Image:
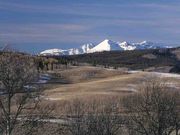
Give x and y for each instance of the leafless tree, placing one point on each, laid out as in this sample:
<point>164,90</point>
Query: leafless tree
<point>18,96</point>
<point>154,110</point>
<point>76,113</point>
<point>94,118</point>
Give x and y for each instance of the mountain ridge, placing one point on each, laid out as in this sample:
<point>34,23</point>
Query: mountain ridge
<point>105,45</point>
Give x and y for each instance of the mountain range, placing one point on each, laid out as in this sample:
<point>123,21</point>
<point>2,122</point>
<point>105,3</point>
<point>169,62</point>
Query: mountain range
<point>106,45</point>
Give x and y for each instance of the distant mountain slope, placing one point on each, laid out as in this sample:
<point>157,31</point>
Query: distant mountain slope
<point>73,51</point>
<point>106,45</point>
<point>133,59</point>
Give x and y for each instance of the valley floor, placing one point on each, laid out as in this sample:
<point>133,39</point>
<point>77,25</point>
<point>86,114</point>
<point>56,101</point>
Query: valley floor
<point>114,83</point>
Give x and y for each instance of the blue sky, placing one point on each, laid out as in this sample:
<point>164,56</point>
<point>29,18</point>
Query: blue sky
<point>35,25</point>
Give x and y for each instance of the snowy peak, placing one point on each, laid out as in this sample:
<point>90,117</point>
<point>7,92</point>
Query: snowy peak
<point>124,43</point>
<point>106,45</point>
<point>148,45</point>
<point>73,51</point>
<point>146,42</point>
<point>86,47</point>
<point>109,45</point>
<point>126,46</point>
<point>54,52</point>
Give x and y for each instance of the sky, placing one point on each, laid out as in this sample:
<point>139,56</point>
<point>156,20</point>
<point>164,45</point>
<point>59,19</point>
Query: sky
<point>36,25</point>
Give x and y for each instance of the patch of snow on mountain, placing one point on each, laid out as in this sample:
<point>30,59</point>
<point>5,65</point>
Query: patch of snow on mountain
<point>106,45</point>
<point>85,48</point>
<point>73,51</point>
<point>147,45</point>
<point>55,52</point>
<point>127,46</point>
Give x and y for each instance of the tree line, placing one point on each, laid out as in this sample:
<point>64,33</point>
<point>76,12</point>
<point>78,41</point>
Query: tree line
<point>130,59</point>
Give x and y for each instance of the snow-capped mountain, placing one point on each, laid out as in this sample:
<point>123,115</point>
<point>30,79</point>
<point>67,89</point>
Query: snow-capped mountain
<point>86,48</point>
<point>54,52</point>
<point>73,51</point>
<point>126,46</point>
<point>106,45</point>
<point>142,45</point>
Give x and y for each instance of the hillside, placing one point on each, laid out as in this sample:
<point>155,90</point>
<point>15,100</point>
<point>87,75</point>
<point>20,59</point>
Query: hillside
<point>95,82</point>
<point>135,59</point>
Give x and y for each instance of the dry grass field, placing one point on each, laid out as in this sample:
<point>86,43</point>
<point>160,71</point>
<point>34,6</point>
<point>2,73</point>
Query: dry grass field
<point>90,82</point>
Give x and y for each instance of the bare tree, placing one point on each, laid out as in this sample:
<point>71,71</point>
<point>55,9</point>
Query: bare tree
<point>17,72</point>
<point>76,114</point>
<point>94,118</point>
<point>153,110</point>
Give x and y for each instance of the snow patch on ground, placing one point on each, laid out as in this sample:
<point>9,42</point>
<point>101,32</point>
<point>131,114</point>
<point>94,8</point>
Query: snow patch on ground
<point>158,74</point>
<point>44,78</point>
<point>167,75</point>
